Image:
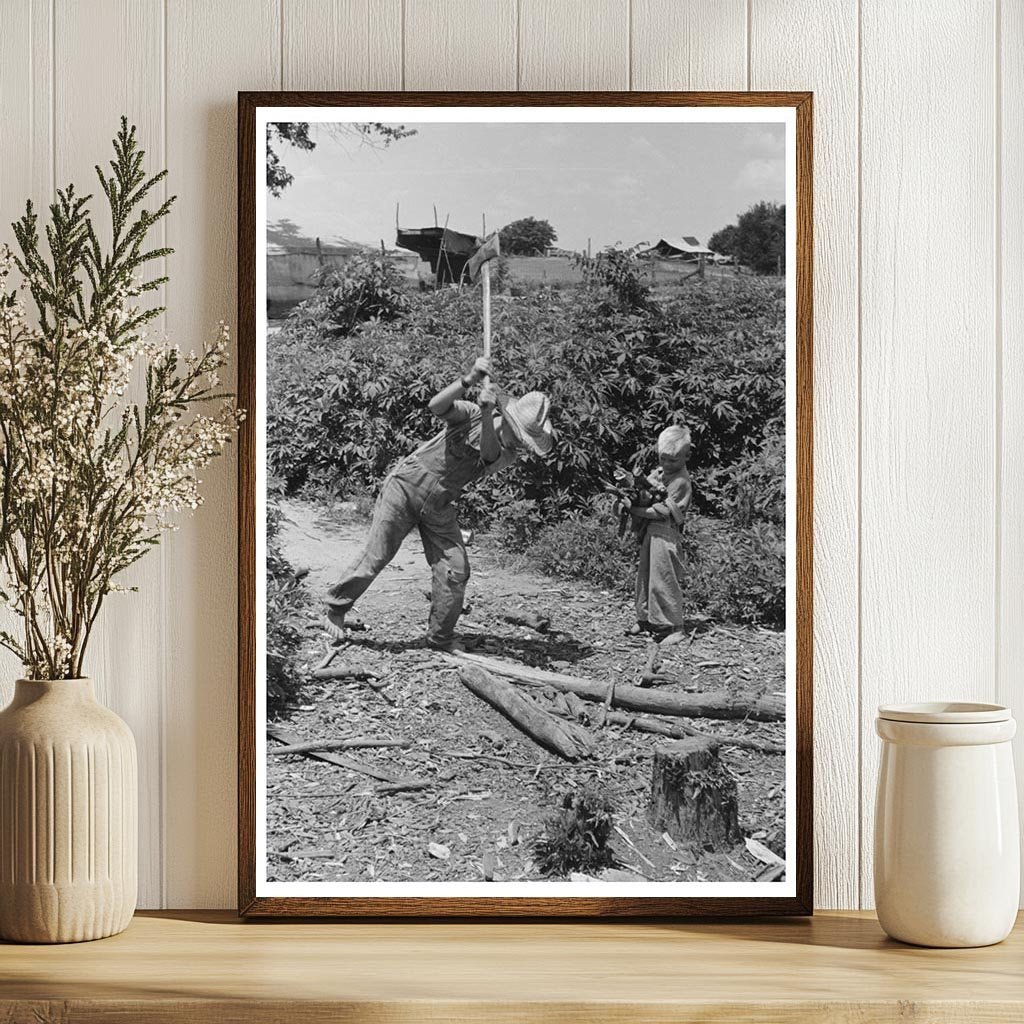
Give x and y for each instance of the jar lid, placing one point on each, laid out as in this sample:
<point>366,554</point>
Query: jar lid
<point>945,713</point>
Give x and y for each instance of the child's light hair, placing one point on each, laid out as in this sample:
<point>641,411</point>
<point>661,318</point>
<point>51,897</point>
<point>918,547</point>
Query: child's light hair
<point>674,442</point>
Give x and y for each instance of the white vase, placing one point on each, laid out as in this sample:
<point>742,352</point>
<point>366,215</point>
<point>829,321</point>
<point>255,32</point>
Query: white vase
<point>68,815</point>
<point>947,845</point>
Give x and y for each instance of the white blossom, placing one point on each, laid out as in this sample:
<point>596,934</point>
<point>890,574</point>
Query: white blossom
<point>91,466</point>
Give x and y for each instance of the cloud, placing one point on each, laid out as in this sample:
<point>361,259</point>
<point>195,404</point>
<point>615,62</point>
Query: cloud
<point>762,173</point>
<point>764,139</point>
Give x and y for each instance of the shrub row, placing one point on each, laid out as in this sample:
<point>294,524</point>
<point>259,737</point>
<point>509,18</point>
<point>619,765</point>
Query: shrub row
<point>344,408</point>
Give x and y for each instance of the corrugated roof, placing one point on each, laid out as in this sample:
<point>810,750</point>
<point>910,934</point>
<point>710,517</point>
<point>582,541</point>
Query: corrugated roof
<point>684,243</point>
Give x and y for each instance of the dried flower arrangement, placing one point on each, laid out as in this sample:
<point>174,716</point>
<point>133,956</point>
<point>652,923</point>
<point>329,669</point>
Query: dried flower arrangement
<point>90,470</point>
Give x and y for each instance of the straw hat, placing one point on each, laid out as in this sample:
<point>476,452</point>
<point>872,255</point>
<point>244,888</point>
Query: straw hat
<point>530,420</point>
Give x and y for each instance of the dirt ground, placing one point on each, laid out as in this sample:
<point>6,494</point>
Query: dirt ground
<point>489,786</point>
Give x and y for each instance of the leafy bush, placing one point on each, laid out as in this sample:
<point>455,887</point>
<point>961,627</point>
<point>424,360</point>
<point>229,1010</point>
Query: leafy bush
<point>753,488</point>
<point>575,838</point>
<point>617,270</point>
<point>735,573</point>
<point>365,288</point>
<point>515,529</point>
<point>587,547</point>
<point>286,612</point>
<point>343,409</point>
<point>732,573</point>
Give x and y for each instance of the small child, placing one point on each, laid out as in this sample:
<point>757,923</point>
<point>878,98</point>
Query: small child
<point>659,593</point>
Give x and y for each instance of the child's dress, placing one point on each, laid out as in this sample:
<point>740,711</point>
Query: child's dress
<point>659,592</point>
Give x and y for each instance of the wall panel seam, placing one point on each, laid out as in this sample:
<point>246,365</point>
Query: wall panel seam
<point>997,237</point>
<point>162,696</point>
<point>519,26</point>
<point>749,44</point>
<point>859,867</point>
<point>629,45</point>
<point>53,98</point>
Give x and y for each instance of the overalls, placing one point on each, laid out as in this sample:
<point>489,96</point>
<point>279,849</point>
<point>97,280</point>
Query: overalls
<point>421,491</point>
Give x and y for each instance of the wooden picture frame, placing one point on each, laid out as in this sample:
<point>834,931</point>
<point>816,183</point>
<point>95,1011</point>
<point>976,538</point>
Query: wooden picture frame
<point>798,899</point>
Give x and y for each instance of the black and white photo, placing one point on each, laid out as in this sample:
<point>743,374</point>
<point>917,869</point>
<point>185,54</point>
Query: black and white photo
<point>525,509</point>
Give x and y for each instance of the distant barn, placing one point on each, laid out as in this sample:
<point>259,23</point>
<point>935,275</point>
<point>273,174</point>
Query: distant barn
<point>685,248</point>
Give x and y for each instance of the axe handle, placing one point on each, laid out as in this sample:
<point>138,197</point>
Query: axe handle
<point>487,308</point>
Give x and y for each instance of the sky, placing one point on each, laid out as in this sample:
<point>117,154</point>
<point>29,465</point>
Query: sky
<point>614,183</point>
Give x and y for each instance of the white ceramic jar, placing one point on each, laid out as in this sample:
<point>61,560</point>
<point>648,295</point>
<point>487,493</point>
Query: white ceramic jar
<point>947,845</point>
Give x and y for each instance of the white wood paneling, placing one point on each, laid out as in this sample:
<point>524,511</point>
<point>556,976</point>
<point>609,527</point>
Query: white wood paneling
<point>342,44</point>
<point>688,44</point>
<point>919,416</point>
<point>468,45</point>
<point>830,70</point>
<point>26,107</point>
<point>214,50</point>
<point>1010,314</point>
<point>573,44</point>
<point>26,103</point>
<point>928,410</point>
<point>126,653</point>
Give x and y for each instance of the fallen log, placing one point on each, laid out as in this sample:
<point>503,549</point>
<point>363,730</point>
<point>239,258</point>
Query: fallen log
<point>357,743</point>
<point>409,786</point>
<point>679,731</point>
<point>768,708</point>
<point>344,671</point>
<point>541,727</point>
<point>291,738</point>
<point>327,659</point>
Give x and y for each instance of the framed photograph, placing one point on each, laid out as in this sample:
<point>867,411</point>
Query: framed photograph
<point>525,494</point>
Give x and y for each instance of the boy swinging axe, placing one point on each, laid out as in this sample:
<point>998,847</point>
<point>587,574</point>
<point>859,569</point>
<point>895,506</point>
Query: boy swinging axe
<point>477,439</point>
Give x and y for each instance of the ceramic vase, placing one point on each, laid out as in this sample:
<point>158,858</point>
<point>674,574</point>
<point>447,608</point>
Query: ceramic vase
<point>947,845</point>
<point>68,815</point>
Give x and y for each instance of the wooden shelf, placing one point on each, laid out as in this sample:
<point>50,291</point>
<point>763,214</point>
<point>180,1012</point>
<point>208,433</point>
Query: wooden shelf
<point>204,967</point>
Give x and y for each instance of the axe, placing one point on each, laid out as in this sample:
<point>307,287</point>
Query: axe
<point>489,250</point>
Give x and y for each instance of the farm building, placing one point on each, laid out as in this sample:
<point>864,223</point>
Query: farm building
<point>446,251</point>
<point>685,248</point>
<point>292,265</point>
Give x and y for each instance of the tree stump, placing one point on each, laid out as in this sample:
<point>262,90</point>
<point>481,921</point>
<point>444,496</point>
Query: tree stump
<point>693,796</point>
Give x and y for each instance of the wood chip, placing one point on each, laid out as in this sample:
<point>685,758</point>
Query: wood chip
<point>762,853</point>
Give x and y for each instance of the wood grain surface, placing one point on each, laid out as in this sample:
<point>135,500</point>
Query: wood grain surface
<point>469,45</point>
<point>699,44</point>
<point>209,967</point>
<point>1009,265</point>
<point>228,45</point>
<point>574,44</point>
<point>357,42</point>
<point>928,368</point>
<point>830,69</point>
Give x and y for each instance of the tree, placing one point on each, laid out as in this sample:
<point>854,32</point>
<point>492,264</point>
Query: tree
<point>526,237</point>
<point>296,133</point>
<point>757,239</point>
<point>724,242</point>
